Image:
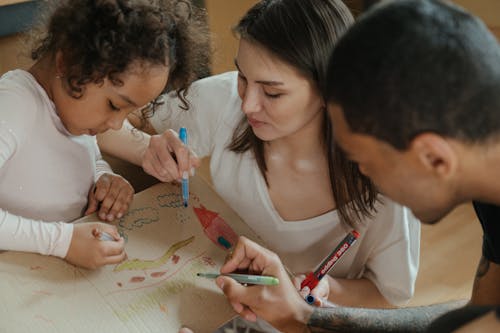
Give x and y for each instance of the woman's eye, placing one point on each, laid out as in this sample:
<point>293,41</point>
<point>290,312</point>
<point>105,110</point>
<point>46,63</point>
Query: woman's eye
<point>273,95</point>
<point>113,107</point>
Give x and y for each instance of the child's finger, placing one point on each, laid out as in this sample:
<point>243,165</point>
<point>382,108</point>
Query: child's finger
<point>93,203</point>
<point>107,203</point>
<point>114,248</point>
<point>102,187</point>
<point>122,203</point>
<point>109,260</point>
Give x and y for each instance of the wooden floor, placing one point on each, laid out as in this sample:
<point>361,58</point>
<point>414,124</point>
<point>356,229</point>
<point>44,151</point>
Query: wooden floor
<point>450,252</point>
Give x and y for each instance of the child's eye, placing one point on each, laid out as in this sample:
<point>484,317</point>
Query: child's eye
<point>113,107</point>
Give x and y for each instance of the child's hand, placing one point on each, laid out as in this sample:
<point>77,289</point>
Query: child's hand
<point>88,251</point>
<point>111,196</point>
<point>320,293</point>
<point>159,161</point>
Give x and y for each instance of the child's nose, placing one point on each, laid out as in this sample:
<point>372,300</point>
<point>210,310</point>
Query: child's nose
<point>115,122</point>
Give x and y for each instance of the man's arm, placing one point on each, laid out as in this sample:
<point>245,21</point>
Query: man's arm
<point>357,320</point>
<point>485,290</point>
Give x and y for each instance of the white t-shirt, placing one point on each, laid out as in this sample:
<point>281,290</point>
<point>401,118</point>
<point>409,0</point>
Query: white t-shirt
<point>387,251</point>
<point>45,172</point>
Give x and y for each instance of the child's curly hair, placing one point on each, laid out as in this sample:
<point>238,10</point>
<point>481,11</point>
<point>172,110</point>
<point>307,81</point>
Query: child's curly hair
<point>101,38</point>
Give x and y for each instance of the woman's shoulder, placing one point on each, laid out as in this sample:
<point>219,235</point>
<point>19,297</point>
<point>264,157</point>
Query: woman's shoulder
<point>216,88</point>
<point>389,214</point>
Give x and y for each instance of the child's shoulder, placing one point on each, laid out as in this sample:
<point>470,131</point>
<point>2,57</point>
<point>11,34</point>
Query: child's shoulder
<point>20,99</point>
<point>21,84</point>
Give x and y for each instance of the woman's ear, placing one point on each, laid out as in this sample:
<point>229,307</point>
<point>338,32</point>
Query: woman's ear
<point>435,154</point>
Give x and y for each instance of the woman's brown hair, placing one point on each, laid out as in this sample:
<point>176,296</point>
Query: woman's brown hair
<point>303,33</point>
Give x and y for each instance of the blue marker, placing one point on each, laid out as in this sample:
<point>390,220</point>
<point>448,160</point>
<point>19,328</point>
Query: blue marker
<point>185,177</point>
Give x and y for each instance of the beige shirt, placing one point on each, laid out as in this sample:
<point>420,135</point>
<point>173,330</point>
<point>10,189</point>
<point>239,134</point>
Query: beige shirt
<point>45,172</point>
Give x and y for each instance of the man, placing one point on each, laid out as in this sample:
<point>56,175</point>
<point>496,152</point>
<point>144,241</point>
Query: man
<point>414,97</point>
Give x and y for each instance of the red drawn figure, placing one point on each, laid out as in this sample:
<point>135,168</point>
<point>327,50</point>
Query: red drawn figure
<point>216,228</point>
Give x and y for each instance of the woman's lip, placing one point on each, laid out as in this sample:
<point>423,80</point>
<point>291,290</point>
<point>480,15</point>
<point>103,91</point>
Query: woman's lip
<point>255,123</point>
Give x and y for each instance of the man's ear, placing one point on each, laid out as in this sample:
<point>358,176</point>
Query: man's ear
<point>435,153</point>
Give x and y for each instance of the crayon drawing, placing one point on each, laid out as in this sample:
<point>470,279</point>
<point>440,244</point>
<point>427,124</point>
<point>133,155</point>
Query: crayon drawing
<point>155,290</point>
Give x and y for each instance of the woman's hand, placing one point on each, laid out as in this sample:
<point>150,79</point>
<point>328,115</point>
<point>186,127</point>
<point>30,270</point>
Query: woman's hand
<point>111,197</point>
<point>88,251</point>
<point>320,292</point>
<point>167,158</point>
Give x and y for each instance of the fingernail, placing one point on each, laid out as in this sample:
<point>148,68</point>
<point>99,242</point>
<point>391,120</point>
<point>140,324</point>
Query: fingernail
<point>111,217</point>
<point>102,216</point>
<point>220,283</point>
<point>185,175</point>
<point>193,172</point>
<point>119,215</point>
<point>163,172</point>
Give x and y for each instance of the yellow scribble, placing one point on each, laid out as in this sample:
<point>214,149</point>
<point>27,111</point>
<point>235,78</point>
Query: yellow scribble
<point>138,264</point>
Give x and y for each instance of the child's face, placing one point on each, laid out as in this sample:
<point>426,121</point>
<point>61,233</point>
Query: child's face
<point>277,100</point>
<point>106,106</point>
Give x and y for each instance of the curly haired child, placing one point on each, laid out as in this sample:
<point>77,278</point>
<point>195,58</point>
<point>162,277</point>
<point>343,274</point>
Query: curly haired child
<point>95,62</point>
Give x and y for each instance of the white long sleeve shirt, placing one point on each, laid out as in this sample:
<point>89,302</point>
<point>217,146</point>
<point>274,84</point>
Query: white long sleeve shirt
<point>387,252</point>
<point>45,172</point>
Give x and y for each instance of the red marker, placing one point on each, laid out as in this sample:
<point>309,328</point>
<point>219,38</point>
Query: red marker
<point>313,278</point>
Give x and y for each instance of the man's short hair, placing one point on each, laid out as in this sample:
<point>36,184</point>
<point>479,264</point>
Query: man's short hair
<point>413,66</point>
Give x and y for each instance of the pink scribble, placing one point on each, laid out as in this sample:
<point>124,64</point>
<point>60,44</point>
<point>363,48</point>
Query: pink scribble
<point>208,261</point>
<point>136,279</point>
<point>175,258</point>
<point>158,274</point>
<point>36,268</point>
<point>162,280</point>
<point>163,308</point>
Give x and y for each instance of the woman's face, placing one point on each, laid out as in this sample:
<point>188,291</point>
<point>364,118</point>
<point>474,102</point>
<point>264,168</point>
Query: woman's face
<point>105,106</point>
<point>277,100</point>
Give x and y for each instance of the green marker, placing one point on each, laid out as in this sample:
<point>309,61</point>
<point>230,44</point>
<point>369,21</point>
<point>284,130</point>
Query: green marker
<point>245,278</point>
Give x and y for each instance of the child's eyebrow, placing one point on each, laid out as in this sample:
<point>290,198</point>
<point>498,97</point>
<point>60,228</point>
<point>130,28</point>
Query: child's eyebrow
<point>128,100</point>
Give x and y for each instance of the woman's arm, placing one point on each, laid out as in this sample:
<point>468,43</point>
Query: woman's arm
<point>128,144</point>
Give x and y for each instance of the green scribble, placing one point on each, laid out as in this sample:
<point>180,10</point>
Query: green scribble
<point>151,300</point>
<point>138,264</point>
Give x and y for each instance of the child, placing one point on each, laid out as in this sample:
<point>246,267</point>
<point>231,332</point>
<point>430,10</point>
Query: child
<point>97,62</point>
<point>274,161</point>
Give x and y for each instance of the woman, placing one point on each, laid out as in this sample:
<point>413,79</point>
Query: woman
<point>273,159</point>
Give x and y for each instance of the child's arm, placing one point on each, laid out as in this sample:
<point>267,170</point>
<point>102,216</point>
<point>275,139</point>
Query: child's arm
<point>22,234</point>
<point>127,143</point>
<point>74,242</point>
